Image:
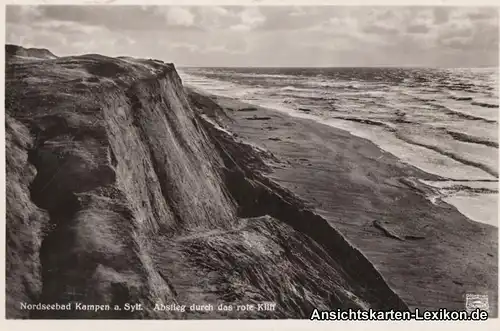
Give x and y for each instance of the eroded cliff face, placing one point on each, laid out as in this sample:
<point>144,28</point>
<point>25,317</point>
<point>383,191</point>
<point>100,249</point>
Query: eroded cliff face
<point>121,190</point>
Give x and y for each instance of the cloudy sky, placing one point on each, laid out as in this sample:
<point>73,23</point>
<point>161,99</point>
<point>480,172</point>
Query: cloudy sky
<point>265,36</point>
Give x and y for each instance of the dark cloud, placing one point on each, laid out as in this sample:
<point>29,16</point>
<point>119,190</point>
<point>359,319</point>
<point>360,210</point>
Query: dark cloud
<point>454,31</point>
<point>386,14</point>
<point>380,29</point>
<point>483,14</point>
<point>417,28</point>
<point>441,15</point>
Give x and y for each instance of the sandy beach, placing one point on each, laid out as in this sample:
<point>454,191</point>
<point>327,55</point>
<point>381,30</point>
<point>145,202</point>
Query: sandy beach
<point>428,252</point>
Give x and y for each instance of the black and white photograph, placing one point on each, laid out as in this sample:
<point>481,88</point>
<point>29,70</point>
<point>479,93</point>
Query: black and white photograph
<point>251,162</point>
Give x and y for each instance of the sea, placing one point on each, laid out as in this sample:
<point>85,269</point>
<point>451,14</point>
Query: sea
<point>443,121</point>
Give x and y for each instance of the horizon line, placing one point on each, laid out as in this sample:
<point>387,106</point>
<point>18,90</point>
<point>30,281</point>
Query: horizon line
<point>349,66</point>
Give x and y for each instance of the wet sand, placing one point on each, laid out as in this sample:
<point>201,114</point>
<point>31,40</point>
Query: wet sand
<point>429,253</point>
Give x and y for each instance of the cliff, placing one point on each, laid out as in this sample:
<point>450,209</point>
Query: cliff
<point>121,189</point>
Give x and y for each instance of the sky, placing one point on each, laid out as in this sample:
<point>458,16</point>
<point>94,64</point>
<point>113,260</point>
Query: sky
<point>280,36</point>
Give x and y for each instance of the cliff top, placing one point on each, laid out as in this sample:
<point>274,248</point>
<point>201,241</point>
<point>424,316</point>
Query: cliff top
<point>36,53</point>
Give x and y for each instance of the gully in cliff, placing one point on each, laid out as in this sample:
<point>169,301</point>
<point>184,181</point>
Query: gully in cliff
<point>137,189</point>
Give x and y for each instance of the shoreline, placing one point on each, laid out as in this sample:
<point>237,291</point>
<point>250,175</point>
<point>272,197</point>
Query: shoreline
<point>367,193</point>
<point>465,204</point>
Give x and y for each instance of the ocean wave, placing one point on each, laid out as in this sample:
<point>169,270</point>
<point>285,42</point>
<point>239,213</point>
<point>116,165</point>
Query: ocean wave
<point>347,85</point>
<point>235,74</point>
<point>459,188</point>
<point>419,98</point>
<point>461,98</point>
<point>453,155</point>
<point>490,185</point>
<point>298,97</point>
<point>471,139</point>
<point>460,114</point>
<point>292,88</point>
<point>386,125</point>
<point>485,104</point>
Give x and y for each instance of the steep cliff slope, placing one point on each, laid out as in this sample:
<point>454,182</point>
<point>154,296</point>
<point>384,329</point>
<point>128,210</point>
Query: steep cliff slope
<point>119,190</point>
